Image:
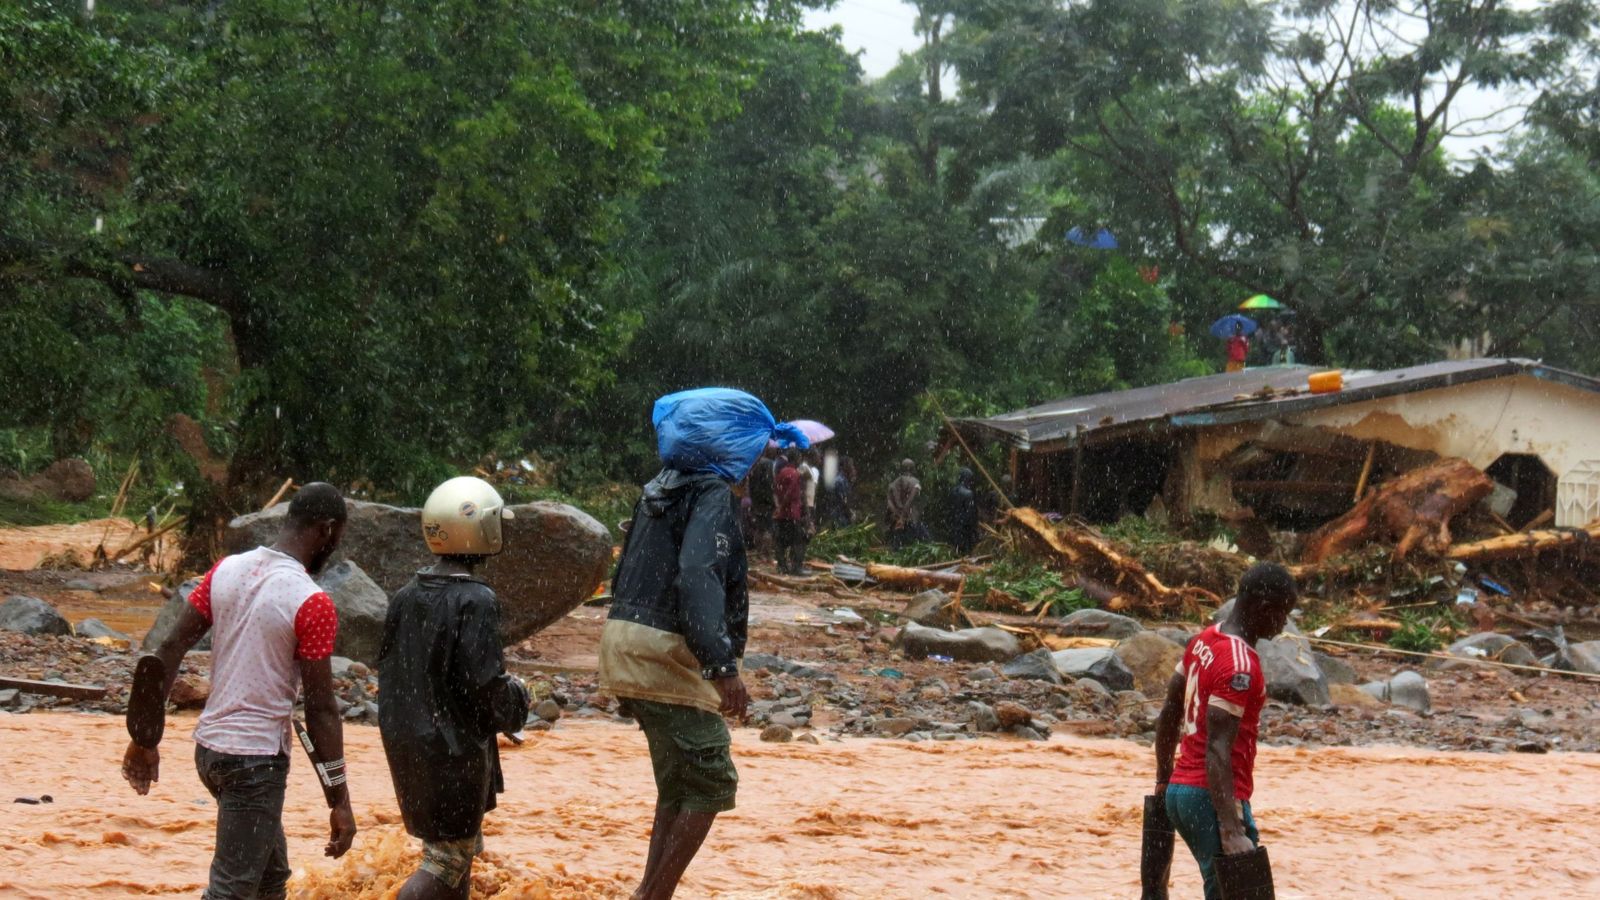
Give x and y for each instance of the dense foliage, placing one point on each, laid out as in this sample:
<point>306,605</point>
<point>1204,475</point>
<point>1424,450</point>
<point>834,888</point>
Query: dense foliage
<point>373,242</point>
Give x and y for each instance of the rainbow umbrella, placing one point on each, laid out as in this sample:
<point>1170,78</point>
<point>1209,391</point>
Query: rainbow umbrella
<point>1261,301</point>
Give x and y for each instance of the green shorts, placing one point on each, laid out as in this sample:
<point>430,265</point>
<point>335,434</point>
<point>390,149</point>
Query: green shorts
<point>691,752</point>
<point>450,861</point>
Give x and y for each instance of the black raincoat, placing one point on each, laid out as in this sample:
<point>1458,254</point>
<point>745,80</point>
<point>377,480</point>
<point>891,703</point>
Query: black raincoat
<point>683,567</point>
<point>443,695</point>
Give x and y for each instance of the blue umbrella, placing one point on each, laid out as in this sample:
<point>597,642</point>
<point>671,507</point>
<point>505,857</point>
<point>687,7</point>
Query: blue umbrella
<point>1226,326</point>
<point>1100,240</point>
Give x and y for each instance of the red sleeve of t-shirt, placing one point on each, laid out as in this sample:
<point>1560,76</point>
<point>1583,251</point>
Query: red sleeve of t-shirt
<point>316,626</point>
<point>200,597</point>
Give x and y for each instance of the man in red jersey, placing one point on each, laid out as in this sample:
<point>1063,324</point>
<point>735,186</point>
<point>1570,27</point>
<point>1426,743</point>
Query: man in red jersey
<point>1211,717</point>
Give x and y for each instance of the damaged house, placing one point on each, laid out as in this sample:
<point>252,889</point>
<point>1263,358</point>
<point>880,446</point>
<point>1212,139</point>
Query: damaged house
<point>1260,444</point>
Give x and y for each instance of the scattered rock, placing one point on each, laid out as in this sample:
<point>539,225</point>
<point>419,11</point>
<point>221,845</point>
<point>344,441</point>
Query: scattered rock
<point>1027,733</point>
<point>1491,645</point>
<point>1350,695</point>
<point>94,628</point>
<point>1532,747</point>
<point>555,556</point>
<point>1410,690</point>
<point>895,725</point>
<point>1097,663</point>
<point>1010,715</point>
<point>1099,623</point>
<point>982,717</point>
<point>1290,667</point>
<point>362,607</point>
<point>968,645</point>
<point>1178,636</point>
<point>538,725</point>
<point>8,698</point>
<point>340,665</point>
<point>1375,690</point>
<point>932,608</point>
<point>30,615</point>
<point>1584,657</point>
<point>777,734</point>
<point>548,710</point>
<point>982,674</point>
<point>1336,670</point>
<point>1091,687</point>
<point>82,584</point>
<point>67,480</point>
<point>1037,666</point>
<point>190,691</point>
<point>807,738</point>
<point>1152,660</point>
<point>767,661</point>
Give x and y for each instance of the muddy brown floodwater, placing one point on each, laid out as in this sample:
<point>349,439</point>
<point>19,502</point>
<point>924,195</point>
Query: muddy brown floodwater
<point>861,818</point>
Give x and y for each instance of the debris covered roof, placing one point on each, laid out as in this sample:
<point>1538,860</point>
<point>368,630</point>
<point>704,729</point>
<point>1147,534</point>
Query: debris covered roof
<point>1235,397</point>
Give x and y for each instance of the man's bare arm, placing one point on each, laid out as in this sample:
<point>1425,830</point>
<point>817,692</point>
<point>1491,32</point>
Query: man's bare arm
<point>326,730</point>
<point>1168,725</point>
<point>141,765</point>
<point>1222,728</point>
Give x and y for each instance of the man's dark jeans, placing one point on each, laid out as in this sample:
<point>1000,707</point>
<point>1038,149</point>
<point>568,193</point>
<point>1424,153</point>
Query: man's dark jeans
<point>251,861</point>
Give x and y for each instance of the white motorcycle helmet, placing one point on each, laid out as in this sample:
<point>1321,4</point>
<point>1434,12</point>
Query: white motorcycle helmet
<point>462,518</point>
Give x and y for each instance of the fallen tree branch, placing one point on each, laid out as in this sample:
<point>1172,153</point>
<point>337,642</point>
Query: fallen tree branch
<point>1097,562</point>
<point>1383,648</point>
<point>1413,510</point>
<point>1526,543</point>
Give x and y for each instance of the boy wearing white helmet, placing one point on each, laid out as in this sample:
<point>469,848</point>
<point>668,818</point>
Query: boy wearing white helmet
<point>444,692</point>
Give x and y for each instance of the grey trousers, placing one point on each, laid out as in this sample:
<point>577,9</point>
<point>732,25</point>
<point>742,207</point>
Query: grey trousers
<point>251,861</point>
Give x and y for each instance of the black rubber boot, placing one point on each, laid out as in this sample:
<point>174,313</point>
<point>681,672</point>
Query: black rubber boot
<point>1155,856</point>
<point>1245,876</point>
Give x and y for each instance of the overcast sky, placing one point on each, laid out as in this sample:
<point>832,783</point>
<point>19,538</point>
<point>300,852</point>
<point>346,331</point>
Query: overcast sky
<point>882,29</point>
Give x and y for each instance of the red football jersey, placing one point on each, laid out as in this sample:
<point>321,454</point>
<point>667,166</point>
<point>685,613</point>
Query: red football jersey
<point>1223,671</point>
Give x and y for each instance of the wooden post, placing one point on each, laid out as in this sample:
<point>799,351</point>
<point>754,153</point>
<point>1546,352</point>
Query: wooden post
<point>1366,471</point>
<point>1076,502</point>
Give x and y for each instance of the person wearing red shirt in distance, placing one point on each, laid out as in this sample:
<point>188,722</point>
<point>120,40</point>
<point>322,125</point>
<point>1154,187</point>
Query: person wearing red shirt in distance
<point>1206,734</point>
<point>789,518</point>
<point>272,631</point>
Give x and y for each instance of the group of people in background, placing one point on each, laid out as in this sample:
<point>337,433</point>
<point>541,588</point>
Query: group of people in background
<point>785,503</point>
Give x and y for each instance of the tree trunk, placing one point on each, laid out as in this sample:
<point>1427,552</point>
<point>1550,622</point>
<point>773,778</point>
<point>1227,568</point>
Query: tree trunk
<point>1413,510</point>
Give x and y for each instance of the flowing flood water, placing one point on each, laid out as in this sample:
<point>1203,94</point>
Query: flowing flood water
<point>862,818</point>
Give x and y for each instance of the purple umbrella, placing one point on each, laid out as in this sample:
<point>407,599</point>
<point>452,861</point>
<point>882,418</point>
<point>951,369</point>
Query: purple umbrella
<point>812,429</point>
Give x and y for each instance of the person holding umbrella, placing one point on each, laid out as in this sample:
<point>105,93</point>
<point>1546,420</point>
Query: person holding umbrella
<point>1236,330</point>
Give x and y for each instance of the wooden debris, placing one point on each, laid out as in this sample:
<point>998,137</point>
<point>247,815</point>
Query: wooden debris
<point>54,688</point>
<point>278,495</point>
<point>1095,560</point>
<point>1526,543</point>
<point>1413,510</point>
<point>1539,521</point>
<point>905,579</point>
<point>152,536</point>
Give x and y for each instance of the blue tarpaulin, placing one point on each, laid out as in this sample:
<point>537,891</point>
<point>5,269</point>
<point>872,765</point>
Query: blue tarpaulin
<point>718,430</point>
<point>1102,239</point>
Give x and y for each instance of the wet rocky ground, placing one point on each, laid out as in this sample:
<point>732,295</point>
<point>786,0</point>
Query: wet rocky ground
<point>815,678</point>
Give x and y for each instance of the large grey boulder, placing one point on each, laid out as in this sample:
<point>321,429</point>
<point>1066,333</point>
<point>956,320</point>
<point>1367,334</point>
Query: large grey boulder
<point>1290,667</point>
<point>555,555</point>
<point>1152,659</point>
<point>167,619</point>
<point>968,645</point>
<point>1037,666</point>
<point>362,606</point>
<point>1096,664</point>
<point>30,615</point>
<point>1335,669</point>
<point>1491,645</point>
<point>1099,623</point>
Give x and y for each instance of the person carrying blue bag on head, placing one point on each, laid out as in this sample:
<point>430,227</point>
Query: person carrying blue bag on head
<point>671,646</point>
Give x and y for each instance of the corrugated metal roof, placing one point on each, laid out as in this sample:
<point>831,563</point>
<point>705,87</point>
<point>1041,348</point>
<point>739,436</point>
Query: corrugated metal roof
<point>1236,397</point>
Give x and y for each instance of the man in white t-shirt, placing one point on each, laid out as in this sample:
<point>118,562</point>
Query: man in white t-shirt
<point>272,629</point>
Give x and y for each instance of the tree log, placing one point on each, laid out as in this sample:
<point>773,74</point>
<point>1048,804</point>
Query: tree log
<point>1413,510</point>
<point>1096,561</point>
<point>915,579</point>
<point>1527,543</point>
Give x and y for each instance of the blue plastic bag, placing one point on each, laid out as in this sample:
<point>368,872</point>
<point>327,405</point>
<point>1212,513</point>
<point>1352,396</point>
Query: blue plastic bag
<point>718,430</point>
